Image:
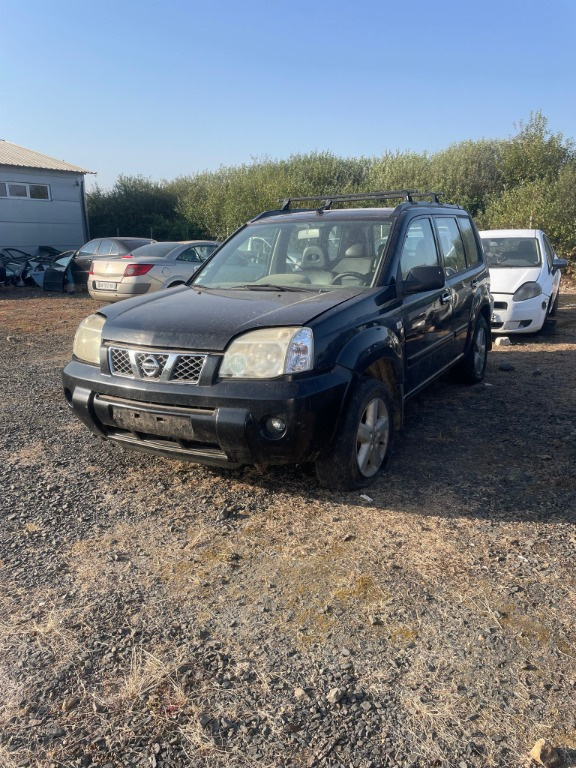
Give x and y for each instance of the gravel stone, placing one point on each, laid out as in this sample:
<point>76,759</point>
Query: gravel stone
<point>158,613</point>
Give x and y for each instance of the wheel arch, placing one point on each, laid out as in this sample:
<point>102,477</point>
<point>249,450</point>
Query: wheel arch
<point>378,353</point>
<point>482,310</point>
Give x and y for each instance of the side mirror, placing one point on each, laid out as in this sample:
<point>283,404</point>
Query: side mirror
<point>559,263</point>
<point>421,279</point>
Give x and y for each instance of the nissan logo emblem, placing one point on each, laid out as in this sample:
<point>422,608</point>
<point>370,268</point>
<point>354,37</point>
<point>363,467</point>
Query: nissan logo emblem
<point>150,366</point>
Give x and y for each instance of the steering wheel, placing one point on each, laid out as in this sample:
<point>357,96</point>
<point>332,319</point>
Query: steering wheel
<point>338,279</point>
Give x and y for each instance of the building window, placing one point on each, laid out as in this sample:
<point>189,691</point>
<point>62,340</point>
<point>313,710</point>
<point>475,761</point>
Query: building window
<point>17,190</point>
<point>39,191</point>
<point>21,190</point>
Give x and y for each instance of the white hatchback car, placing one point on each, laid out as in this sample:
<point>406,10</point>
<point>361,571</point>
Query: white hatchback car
<point>147,269</point>
<point>524,278</point>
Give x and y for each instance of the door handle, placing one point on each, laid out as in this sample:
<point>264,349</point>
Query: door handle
<point>446,298</point>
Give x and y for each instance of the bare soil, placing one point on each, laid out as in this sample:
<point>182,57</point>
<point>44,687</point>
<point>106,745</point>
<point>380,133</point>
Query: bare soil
<point>153,613</point>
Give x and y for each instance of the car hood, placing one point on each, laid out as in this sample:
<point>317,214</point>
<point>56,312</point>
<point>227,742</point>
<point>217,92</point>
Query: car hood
<point>190,318</point>
<point>509,279</point>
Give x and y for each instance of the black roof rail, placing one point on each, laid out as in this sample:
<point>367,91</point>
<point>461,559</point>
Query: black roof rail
<point>407,194</point>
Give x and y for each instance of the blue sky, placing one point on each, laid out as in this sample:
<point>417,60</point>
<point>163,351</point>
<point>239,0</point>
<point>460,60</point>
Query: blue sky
<point>166,89</point>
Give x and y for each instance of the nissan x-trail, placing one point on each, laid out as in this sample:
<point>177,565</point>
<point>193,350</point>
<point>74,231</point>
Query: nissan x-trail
<point>298,341</point>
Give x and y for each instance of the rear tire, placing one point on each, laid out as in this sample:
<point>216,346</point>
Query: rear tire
<point>362,448</point>
<point>472,367</point>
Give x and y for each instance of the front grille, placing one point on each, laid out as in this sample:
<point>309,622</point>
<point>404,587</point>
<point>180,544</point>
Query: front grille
<point>120,362</point>
<point>500,305</point>
<point>188,367</point>
<point>177,367</point>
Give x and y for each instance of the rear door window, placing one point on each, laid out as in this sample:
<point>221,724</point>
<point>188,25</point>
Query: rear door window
<point>451,245</point>
<point>473,252</point>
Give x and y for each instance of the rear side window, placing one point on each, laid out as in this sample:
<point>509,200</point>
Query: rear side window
<point>473,252</point>
<point>204,251</point>
<point>189,254</point>
<point>105,248</point>
<point>451,245</point>
<point>90,247</point>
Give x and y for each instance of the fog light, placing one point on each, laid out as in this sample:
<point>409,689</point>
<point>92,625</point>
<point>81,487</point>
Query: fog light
<point>276,426</point>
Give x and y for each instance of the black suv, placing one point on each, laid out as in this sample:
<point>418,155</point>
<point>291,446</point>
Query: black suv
<point>299,340</point>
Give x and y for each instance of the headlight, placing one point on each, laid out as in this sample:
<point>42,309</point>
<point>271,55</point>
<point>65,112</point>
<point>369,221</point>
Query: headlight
<point>268,353</point>
<point>527,291</point>
<point>87,339</point>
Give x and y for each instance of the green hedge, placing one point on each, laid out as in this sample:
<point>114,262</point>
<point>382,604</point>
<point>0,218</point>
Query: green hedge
<point>527,180</point>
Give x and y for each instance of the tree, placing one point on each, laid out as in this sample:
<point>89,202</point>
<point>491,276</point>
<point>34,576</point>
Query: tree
<point>137,207</point>
<point>468,173</point>
<point>534,153</point>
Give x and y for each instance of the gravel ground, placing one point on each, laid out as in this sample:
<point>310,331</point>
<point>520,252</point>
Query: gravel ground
<point>154,613</point>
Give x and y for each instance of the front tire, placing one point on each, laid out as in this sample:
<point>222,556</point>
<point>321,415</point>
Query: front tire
<point>472,368</point>
<point>554,306</point>
<point>362,448</point>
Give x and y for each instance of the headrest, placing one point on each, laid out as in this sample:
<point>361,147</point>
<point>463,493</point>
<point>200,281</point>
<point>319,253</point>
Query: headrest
<point>313,258</point>
<point>354,251</point>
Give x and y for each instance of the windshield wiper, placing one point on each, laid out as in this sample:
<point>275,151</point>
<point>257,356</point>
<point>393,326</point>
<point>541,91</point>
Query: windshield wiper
<point>267,287</point>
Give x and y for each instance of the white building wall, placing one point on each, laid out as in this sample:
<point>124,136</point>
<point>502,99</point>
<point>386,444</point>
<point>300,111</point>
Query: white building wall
<point>58,222</point>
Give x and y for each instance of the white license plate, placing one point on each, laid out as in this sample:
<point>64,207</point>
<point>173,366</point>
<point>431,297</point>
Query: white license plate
<point>104,286</point>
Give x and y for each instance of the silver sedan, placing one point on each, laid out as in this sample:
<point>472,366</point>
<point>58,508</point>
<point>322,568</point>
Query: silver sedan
<point>149,268</point>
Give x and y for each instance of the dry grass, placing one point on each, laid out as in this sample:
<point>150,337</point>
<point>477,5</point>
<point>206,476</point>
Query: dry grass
<point>456,599</point>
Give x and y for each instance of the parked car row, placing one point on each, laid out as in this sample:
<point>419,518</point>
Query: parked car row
<point>302,337</point>
<point>110,268</point>
<point>148,268</point>
<point>525,273</point>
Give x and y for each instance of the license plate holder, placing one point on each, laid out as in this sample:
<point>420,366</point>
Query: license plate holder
<point>154,423</point>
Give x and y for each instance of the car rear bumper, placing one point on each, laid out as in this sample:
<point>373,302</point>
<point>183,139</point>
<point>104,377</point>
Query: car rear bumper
<point>228,426</point>
<point>122,291</point>
<point>518,316</point>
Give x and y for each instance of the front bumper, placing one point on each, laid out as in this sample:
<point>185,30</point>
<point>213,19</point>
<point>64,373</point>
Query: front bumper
<point>518,316</point>
<point>225,424</point>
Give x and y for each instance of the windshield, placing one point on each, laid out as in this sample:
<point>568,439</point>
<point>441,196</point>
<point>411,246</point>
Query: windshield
<point>322,255</point>
<point>512,252</point>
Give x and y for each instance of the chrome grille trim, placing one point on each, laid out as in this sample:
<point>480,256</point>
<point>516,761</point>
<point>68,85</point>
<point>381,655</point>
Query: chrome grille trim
<point>156,365</point>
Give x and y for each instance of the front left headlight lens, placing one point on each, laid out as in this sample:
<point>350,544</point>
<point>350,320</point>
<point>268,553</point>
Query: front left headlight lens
<point>87,339</point>
<point>527,291</point>
<point>268,353</point>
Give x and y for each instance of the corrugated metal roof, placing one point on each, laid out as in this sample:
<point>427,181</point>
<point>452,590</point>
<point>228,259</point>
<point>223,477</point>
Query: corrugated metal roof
<point>12,154</point>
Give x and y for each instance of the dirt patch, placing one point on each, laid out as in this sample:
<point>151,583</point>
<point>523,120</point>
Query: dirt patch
<point>155,613</point>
